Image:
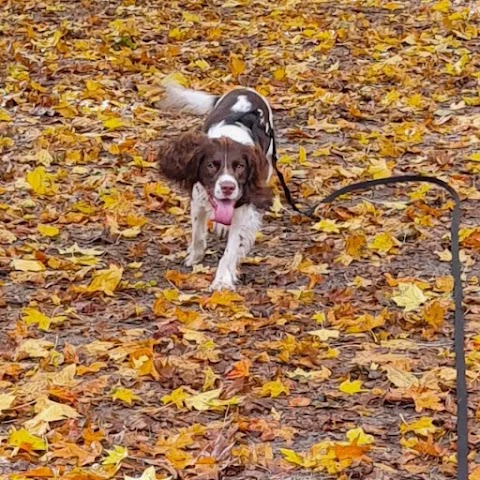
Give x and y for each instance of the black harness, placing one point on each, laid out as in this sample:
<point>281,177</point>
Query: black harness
<point>265,137</point>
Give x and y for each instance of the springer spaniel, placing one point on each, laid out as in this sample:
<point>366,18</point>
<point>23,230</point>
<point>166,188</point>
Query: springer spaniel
<point>226,169</point>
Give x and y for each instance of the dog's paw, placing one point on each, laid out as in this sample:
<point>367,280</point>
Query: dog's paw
<point>224,281</point>
<point>194,257</point>
<point>221,285</point>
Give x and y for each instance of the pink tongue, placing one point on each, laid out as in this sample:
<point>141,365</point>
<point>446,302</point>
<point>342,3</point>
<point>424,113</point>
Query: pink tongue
<point>223,212</point>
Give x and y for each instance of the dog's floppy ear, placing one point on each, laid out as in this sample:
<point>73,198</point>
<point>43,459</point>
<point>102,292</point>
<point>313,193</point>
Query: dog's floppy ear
<point>256,190</point>
<point>180,159</point>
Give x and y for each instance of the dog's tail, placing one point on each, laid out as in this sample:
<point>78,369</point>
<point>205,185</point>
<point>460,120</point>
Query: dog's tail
<point>193,101</point>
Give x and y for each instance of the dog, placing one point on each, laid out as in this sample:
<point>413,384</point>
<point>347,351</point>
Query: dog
<point>226,169</point>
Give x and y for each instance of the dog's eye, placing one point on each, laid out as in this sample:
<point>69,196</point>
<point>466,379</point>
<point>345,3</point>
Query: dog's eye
<point>239,167</point>
<point>212,166</point>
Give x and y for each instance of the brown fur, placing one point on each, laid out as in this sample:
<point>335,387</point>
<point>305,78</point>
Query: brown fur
<point>187,158</point>
<point>180,159</point>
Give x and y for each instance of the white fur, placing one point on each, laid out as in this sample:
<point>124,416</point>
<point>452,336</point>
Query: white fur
<point>242,104</point>
<point>200,210</point>
<point>247,220</point>
<point>177,96</point>
<point>222,179</point>
<point>234,132</point>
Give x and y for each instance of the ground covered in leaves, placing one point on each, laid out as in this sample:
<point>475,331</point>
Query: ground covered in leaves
<point>334,357</point>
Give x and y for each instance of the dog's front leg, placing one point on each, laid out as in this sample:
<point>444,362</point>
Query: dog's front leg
<point>241,237</point>
<point>199,214</point>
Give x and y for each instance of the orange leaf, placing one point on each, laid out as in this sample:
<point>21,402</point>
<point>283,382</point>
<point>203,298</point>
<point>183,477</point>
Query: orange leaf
<point>237,65</point>
<point>41,472</point>
<point>240,370</point>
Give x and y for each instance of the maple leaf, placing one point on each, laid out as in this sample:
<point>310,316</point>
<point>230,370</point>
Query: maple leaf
<point>4,116</point>
<point>423,426</point>
<point>177,397</point>
<point>105,280</point>
<point>351,388</point>
<point>324,334</point>
<point>274,389</point>
<point>34,316</point>
<point>26,441</point>
<point>124,394</point>
<point>116,455</point>
<point>409,296</point>
<point>148,474</point>
<point>35,348</point>
<point>237,65</point>
<point>434,313</point>
<point>240,370</point>
<point>383,243</point>
<point>41,182</point>
<point>209,400</point>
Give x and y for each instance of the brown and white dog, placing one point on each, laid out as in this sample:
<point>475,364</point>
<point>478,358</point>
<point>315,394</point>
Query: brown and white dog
<point>225,168</point>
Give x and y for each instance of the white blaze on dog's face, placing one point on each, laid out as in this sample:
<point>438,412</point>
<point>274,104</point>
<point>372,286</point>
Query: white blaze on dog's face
<point>225,173</point>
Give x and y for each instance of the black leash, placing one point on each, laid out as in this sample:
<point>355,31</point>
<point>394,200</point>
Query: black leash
<point>252,121</point>
<point>456,269</point>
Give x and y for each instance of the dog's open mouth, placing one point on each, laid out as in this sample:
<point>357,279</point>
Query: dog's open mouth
<point>223,211</point>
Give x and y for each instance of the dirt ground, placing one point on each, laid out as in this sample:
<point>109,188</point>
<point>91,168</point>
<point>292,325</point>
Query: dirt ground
<point>359,90</point>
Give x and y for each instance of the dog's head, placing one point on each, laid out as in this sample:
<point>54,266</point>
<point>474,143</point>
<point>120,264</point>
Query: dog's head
<point>232,173</point>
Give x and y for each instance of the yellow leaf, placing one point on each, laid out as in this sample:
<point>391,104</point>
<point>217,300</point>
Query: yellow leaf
<point>82,251</point>
<point>190,17</point>
<point>48,230</point>
<point>302,156</point>
<point>202,401</point>
<point>279,74</point>
<point>50,411</point>
<point>383,242</point>
<point>148,474</point>
<point>35,348</point>
<point>327,226</point>
<point>442,6</point>
<point>6,401</point>
<point>175,77</point>
<point>113,123</point>
<point>27,265</point>
<point>424,426</point>
<point>292,457</point>
<point>175,34</point>
<point>324,335</point>
<point>131,232</point>
<point>125,395</point>
<point>237,65</point>
<point>313,375</point>
<point>434,313</point>
<point>358,437</point>
<point>351,387</point>
<point>401,378</point>
<point>178,397</point>
<point>379,169</point>
<point>106,280</point>
<point>33,316</point>
<point>474,156</point>
<point>41,182</point>
<point>409,296</point>
<point>274,389</point>
<point>26,441</point>
<point>202,64</point>
<point>4,116</point>
<point>116,455</point>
